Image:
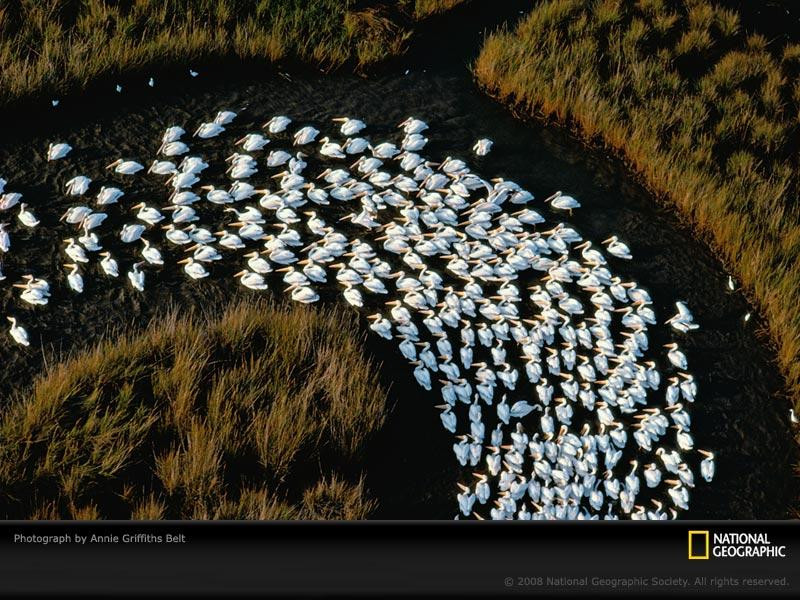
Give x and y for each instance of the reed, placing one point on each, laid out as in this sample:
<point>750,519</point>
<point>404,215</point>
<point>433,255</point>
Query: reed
<point>262,412</point>
<point>706,114</point>
<point>52,46</point>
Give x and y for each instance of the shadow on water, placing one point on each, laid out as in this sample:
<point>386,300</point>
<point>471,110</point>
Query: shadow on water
<point>741,412</point>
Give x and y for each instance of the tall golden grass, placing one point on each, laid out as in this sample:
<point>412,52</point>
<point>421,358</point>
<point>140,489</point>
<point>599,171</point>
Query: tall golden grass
<point>54,45</point>
<point>425,8</point>
<point>260,413</point>
<point>708,115</point>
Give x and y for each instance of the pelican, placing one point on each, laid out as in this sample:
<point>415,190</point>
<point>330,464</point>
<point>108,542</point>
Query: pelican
<point>151,254</point>
<point>253,142</point>
<point>305,135</point>
<point>18,332</point>
<point>175,148</point>
<point>330,149</point>
<point>78,186</point>
<point>208,130</point>
<point>254,281</point>
<point>136,277</point>
<point>224,117</point>
<point>9,200</point>
<point>131,232</point>
<point>683,321</point>
<point>26,217</point>
<point>349,126</point>
<point>57,151</point>
<point>108,195</point>
<point>617,248</point>
<point>76,214</point>
<point>148,214</point>
<point>74,278</point>
<point>125,167</point>
<point>562,202</point>
<point>303,294</point>
<point>482,147</point>
<point>5,239</point>
<point>75,252</point>
<point>257,264</point>
<point>707,465</point>
<point>277,124</point>
<point>413,125</point>
<point>109,265</point>
<point>162,167</point>
<point>193,269</point>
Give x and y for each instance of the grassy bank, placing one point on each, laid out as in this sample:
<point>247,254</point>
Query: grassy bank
<point>259,413</point>
<point>50,46</point>
<point>708,115</point>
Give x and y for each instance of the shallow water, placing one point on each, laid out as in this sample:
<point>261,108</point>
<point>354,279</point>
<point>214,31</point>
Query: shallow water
<point>741,413</point>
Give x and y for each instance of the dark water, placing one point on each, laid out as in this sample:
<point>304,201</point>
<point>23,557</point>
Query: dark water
<point>741,412</point>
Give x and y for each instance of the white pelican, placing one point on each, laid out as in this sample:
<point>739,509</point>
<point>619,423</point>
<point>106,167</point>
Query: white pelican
<point>148,214</point>
<point>208,130</point>
<point>683,321</point>
<point>224,117</point>
<point>176,236</point>
<point>18,332</point>
<point>56,151</point>
<point>172,134</point>
<point>258,264</point>
<point>131,232</point>
<point>349,126</point>
<point>617,248</point>
<point>277,124</point>
<point>253,142</point>
<point>74,278</point>
<point>125,167</point>
<point>254,281</point>
<point>303,294</point>
<point>109,265</point>
<point>174,149</point>
<point>355,145</point>
<point>75,252</point>
<point>26,217</point>
<point>5,239</point>
<point>108,195</point>
<point>136,277</point>
<point>162,167</point>
<point>93,220</point>
<point>78,186</point>
<point>330,149</point>
<point>151,254</point>
<point>276,158</point>
<point>305,135</point>
<point>9,200</point>
<point>193,269</point>
<point>707,465</point>
<point>412,125</point>
<point>562,202</point>
<point>76,214</point>
<point>482,147</point>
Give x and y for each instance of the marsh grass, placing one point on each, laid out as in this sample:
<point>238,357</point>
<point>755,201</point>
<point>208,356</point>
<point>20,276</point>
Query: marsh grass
<point>708,115</point>
<point>50,46</point>
<point>260,413</point>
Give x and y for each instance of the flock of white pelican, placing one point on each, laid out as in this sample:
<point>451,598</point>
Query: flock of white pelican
<point>538,353</point>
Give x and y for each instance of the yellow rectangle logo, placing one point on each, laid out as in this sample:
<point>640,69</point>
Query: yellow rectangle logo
<point>695,538</point>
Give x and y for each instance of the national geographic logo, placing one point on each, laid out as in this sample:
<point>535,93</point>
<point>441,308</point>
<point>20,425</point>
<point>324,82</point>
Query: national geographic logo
<point>703,545</point>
